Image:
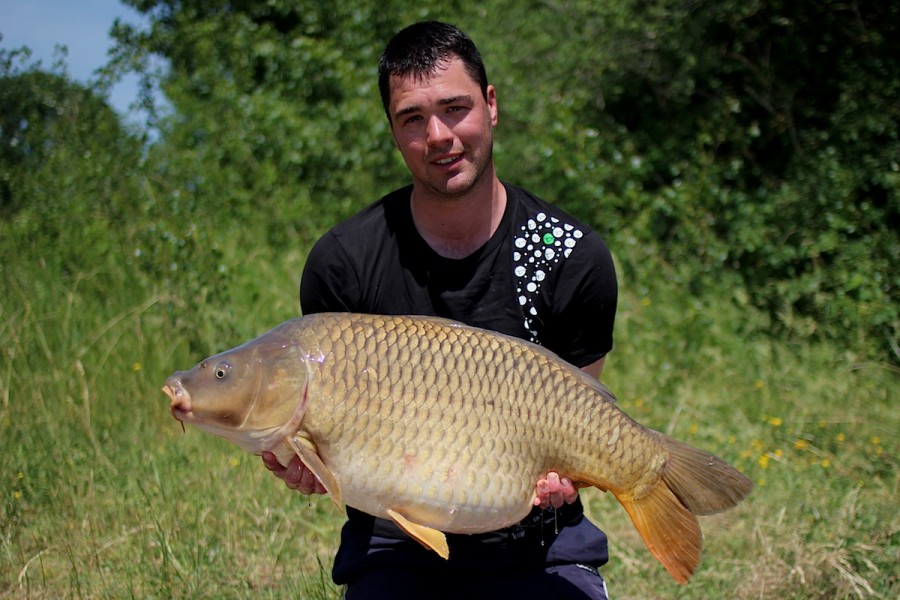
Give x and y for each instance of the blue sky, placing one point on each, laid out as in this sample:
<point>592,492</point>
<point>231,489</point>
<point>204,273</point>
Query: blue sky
<point>81,25</point>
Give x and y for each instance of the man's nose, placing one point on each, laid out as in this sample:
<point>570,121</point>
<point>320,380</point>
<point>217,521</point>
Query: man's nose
<point>437,131</point>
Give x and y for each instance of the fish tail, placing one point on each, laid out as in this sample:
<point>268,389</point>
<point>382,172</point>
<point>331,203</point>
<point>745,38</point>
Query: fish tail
<point>704,483</point>
<point>692,483</point>
<point>670,531</point>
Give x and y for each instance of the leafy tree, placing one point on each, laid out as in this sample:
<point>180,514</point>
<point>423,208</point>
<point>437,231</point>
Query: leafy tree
<point>751,139</point>
<point>275,106</point>
<point>67,166</point>
<point>744,147</point>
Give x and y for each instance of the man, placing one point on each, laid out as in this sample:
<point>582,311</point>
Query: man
<point>459,243</point>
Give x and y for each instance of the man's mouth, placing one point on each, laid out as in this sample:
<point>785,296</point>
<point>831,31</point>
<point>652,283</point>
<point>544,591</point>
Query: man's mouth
<point>448,160</point>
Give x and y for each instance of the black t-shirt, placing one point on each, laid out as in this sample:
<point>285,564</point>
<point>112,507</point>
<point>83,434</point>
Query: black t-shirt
<point>543,276</point>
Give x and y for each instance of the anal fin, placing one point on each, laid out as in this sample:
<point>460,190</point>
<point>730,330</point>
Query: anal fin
<point>427,536</point>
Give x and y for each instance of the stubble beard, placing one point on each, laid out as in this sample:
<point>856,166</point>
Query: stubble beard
<point>445,191</point>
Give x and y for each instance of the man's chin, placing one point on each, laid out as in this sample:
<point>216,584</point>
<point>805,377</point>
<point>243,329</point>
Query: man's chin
<point>457,185</point>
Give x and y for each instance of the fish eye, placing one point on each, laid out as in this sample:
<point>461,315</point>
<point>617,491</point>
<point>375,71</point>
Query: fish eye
<point>222,369</point>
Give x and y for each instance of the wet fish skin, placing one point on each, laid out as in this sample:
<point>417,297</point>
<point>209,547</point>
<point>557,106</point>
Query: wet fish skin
<point>446,428</point>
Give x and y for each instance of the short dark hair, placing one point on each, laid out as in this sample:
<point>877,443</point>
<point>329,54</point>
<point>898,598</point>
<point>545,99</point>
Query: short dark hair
<point>420,49</point>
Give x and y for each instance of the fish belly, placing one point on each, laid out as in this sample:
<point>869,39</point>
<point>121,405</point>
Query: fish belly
<point>455,496</point>
<point>445,425</point>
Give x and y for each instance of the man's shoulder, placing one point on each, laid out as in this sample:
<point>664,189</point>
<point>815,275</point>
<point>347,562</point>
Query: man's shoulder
<point>373,218</point>
<point>541,227</point>
<point>534,207</point>
<point>341,265</point>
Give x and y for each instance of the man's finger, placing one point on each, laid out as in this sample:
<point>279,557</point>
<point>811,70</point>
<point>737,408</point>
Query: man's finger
<point>553,482</point>
<point>569,491</point>
<point>271,462</point>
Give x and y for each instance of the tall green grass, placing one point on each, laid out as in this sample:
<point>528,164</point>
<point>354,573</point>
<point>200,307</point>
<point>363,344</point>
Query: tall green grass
<point>815,429</point>
<point>103,494</point>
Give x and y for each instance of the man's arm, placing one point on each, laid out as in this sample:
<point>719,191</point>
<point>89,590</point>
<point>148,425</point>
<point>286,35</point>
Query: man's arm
<point>326,276</point>
<point>554,491</point>
<point>595,368</point>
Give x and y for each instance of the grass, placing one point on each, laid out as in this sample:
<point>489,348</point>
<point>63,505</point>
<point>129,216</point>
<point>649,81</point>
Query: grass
<point>814,429</point>
<point>103,495</point>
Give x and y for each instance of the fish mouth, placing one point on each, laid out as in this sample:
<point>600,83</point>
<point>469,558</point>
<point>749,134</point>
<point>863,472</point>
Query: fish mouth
<point>180,401</point>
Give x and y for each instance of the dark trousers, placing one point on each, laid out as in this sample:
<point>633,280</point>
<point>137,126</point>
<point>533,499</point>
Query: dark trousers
<point>561,582</point>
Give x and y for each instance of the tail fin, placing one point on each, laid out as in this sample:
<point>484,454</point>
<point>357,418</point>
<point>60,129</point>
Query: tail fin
<point>670,530</point>
<point>692,483</point>
<point>704,483</point>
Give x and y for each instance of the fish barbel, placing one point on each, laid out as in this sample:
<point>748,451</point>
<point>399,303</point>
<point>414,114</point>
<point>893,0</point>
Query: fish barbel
<point>442,427</point>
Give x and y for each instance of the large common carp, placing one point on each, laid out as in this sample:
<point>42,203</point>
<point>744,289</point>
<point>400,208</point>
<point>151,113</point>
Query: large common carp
<point>443,427</point>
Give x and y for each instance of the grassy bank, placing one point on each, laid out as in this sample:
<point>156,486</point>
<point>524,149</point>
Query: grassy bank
<point>103,495</point>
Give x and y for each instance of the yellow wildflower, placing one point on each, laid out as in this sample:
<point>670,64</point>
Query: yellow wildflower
<point>801,444</point>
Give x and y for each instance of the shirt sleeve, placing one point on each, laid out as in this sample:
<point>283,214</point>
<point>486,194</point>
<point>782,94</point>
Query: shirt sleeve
<point>580,327</point>
<point>329,282</point>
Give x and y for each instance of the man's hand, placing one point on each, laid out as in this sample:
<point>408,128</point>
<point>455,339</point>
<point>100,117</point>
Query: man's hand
<point>296,476</point>
<point>554,491</point>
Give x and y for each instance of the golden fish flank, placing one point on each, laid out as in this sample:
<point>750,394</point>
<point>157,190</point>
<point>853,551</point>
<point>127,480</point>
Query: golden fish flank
<point>443,427</point>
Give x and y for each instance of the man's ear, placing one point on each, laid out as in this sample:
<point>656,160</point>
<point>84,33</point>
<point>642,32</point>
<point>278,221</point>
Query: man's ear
<point>492,105</point>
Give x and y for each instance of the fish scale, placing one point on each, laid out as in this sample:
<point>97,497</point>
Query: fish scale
<point>446,428</point>
<point>461,422</point>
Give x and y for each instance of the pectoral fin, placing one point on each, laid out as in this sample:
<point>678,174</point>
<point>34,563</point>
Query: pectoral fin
<point>427,536</point>
<point>308,453</point>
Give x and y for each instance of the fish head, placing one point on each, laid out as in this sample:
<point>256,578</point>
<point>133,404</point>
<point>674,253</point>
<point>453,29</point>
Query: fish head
<point>253,395</point>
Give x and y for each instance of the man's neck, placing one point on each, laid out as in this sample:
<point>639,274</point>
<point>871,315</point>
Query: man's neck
<point>455,227</point>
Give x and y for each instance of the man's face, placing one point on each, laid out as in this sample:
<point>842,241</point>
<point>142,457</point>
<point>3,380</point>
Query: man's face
<point>444,128</point>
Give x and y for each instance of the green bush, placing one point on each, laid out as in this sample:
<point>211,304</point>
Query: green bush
<point>737,143</point>
<point>736,148</point>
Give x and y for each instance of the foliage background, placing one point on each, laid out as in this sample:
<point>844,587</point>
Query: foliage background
<point>740,158</point>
